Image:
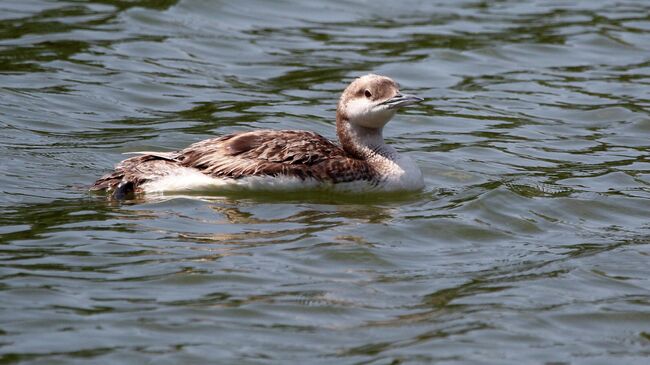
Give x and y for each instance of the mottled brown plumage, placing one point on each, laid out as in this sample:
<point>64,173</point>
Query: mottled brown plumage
<point>268,152</point>
<point>302,154</point>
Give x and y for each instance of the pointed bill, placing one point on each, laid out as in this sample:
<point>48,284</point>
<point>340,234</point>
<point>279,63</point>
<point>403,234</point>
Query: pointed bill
<point>401,100</point>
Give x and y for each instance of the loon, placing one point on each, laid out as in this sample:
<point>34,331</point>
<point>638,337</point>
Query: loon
<point>286,159</point>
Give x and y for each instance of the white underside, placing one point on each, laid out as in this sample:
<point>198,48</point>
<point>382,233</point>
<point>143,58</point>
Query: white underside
<point>401,175</point>
<point>186,179</point>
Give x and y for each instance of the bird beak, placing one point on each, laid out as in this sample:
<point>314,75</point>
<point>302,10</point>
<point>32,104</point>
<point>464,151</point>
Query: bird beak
<point>401,100</point>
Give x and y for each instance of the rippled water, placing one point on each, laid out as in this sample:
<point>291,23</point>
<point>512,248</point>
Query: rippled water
<point>528,245</point>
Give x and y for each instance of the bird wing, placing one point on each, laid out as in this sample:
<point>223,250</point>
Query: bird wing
<point>267,152</point>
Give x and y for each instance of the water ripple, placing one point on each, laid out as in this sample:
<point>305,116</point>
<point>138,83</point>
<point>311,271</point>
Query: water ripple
<point>529,243</point>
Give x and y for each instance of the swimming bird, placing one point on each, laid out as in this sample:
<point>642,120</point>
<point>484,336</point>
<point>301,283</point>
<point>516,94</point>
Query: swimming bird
<point>286,159</point>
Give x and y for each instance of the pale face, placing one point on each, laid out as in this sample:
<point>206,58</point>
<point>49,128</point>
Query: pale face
<point>371,101</point>
<point>368,113</point>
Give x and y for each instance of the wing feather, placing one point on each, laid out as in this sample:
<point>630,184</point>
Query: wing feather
<point>267,152</point>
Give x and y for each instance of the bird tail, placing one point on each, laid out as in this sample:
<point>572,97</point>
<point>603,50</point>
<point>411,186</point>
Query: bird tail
<point>129,175</point>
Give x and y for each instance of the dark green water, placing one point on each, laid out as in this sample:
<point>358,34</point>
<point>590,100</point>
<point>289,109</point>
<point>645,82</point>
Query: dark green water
<point>529,245</point>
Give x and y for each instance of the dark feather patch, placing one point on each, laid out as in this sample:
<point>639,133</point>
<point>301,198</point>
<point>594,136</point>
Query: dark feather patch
<point>241,143</point>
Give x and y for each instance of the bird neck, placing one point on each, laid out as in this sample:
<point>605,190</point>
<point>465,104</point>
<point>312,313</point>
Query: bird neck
<point>361,142</point>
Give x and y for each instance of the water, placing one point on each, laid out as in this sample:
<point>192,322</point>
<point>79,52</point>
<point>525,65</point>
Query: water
<point>528,245</point>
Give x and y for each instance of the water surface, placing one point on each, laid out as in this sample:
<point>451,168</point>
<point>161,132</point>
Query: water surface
<point>529,243</point>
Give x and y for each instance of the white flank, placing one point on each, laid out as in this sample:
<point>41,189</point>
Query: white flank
<point>188,179</point>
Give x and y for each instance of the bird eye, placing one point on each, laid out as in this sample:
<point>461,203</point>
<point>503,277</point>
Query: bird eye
<point>368,93</point>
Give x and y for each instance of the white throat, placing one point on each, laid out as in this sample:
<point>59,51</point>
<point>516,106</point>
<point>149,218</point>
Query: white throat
<point>365,113</point>
<point>369,142</point>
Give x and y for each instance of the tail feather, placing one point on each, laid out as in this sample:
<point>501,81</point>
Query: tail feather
<point>108,182</point>
<point>130,174</point>
<point>124,190</point>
